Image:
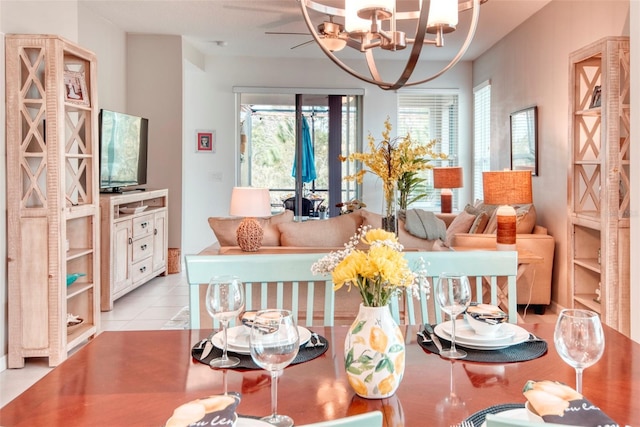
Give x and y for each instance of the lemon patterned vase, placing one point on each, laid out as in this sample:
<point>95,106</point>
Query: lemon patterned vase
<point>374,353</point>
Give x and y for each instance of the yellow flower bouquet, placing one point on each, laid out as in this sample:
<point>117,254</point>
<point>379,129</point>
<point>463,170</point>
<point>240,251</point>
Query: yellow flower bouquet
<point>377,272</point>
<point>395,161</point>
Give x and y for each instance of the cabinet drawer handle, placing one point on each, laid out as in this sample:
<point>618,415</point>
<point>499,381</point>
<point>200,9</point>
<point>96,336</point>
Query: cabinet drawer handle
<point>130,240</point>
<point>144,224</point>
<point>143,247</point>
<point>155,231</point>
<point>143,269</point>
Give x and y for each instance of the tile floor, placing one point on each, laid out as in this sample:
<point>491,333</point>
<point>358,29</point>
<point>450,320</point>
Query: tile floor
<point>149,307</point>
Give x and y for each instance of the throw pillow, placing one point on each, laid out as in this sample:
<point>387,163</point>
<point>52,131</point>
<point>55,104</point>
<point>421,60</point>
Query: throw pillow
<point>225,228</point>
<point>461,224</point>
<point>407,240</point>
<point>525,220</point>
<point>330,233</point>
<point>481,220</point>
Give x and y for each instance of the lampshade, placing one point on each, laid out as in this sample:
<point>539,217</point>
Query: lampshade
<point>250,202</point>
<point>447,177</point>
<point>443,13</point>
<point>507,187</point>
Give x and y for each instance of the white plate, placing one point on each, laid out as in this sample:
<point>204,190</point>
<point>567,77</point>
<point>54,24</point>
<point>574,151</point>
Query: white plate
<point>511,414</point>
<point>251,422</point>
<point>520,335</point>
<point>238,339</point>
<point>464,332</point>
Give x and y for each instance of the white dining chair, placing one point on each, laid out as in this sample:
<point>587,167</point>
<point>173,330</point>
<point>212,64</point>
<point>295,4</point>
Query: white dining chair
<point>494,268</point>
<point>271,281</point>
<point>368,419</point>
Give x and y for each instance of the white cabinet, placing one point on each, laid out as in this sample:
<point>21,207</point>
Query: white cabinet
<point>52,196</point>
<point>599,172</point>
<point>134,241</point>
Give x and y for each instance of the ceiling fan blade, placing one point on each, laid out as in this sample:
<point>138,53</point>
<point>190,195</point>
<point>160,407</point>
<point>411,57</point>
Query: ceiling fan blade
<point>302,44</point>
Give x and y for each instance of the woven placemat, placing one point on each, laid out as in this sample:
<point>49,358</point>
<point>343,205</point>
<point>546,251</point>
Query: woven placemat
<point>478,418</point>
<point>522,352</point>
<point>246,362</point>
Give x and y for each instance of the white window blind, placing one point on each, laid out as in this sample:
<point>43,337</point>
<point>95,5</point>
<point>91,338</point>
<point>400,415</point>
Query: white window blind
<point>481,135</point>
<point>426,115</point>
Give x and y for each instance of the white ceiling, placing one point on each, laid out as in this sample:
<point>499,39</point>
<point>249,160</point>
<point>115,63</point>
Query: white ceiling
<point>241,25</point>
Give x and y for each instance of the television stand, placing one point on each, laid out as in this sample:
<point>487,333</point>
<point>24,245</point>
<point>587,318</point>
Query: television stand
<point>120,190</point>
<point>133,238</point>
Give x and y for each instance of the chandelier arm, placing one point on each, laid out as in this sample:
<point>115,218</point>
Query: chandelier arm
<point>338,62</point>
<point>463,49</point>
<point>415,50</point>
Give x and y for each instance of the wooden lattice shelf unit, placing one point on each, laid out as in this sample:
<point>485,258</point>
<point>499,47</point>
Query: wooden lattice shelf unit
<point>599,171</point>
<point>52,196</point>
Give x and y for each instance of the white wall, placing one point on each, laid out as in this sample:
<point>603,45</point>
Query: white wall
<point>209,101</point>
<point>531,67</point>
<point>154,90</point>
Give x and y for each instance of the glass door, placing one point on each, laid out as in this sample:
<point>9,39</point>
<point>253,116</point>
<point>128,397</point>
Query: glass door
<point>290,143</point>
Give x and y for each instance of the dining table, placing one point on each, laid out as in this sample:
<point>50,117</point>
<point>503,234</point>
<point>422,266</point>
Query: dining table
<point>137,378</point>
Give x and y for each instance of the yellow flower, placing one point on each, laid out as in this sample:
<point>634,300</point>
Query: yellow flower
<point>392,158</point>
<point>378,272</point>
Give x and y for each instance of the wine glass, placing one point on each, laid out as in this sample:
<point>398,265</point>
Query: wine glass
<point>453,293</point>
<point>225,300</point>
<point>579,340</point>
<point>274,343</point>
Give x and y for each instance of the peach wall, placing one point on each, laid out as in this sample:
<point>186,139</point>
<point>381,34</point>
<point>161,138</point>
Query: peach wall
<point>531,67</point>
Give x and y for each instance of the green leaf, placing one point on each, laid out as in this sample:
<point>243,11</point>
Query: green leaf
<point>355,370</point>
<point>349,359</point>
<point>369,378</point>
<point>364,358</point>
<point>384,364</point>
<point>396,348</point>
<point>358,327</point>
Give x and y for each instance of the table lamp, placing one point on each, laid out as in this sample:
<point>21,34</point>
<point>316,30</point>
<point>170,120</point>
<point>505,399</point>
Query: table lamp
<point>249,202</point>
<point>506,188</point>
<point>447,178</point>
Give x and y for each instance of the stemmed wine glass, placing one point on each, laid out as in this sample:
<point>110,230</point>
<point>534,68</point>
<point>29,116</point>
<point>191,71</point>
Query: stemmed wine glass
<point>225,300</point>
<point>579,340</point>
<point>274,343</point>
<point>453,293</point>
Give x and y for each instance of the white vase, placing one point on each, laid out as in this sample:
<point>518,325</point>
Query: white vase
<point>374,353</point>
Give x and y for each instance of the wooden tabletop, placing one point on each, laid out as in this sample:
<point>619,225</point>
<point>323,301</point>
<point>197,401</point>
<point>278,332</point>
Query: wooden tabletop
<point>137,378</point>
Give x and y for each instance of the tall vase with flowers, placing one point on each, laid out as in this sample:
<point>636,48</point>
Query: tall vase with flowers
<point>374,346</point>
<point>396,161</point>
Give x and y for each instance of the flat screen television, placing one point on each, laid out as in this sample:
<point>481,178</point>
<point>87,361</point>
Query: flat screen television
<point>123,151</point>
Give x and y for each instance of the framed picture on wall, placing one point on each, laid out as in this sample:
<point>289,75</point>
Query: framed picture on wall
<point>524,140</point>
<point>75,88</point>
<point>205,141</point>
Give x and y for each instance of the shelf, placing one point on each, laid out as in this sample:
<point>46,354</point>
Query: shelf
<point>77,253</point>
<point>587,300</point>
<point>588,263</point>
<point>76,289</point>
<point>597,111</point>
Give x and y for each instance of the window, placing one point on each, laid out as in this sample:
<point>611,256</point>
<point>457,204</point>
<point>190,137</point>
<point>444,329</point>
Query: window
<point>427,115</point>
<point>481,135</point>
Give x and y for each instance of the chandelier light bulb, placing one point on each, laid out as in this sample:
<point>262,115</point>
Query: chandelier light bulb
<point>443,13</point>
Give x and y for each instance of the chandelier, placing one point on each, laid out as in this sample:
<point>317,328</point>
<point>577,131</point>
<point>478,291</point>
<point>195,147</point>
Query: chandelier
<point>372,24</point>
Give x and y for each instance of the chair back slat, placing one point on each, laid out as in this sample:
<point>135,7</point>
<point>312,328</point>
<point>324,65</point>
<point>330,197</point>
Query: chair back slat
<point>276,275</point>
<point>484,268</point>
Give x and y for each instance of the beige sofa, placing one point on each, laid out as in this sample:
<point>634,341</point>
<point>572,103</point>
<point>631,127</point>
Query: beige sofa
<point>472,228</point>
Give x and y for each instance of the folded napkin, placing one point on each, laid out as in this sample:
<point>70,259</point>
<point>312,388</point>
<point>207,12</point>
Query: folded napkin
<point>560,404</point>
<point>218,410</point>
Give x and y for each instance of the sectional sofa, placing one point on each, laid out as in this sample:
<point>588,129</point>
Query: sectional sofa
<point>472,228</point>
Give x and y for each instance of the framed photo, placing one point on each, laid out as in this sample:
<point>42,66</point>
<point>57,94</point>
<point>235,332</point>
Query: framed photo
<point>524,140</point>
<point>596,98</point>
<point>205,141</point>
<point>75,88</point>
